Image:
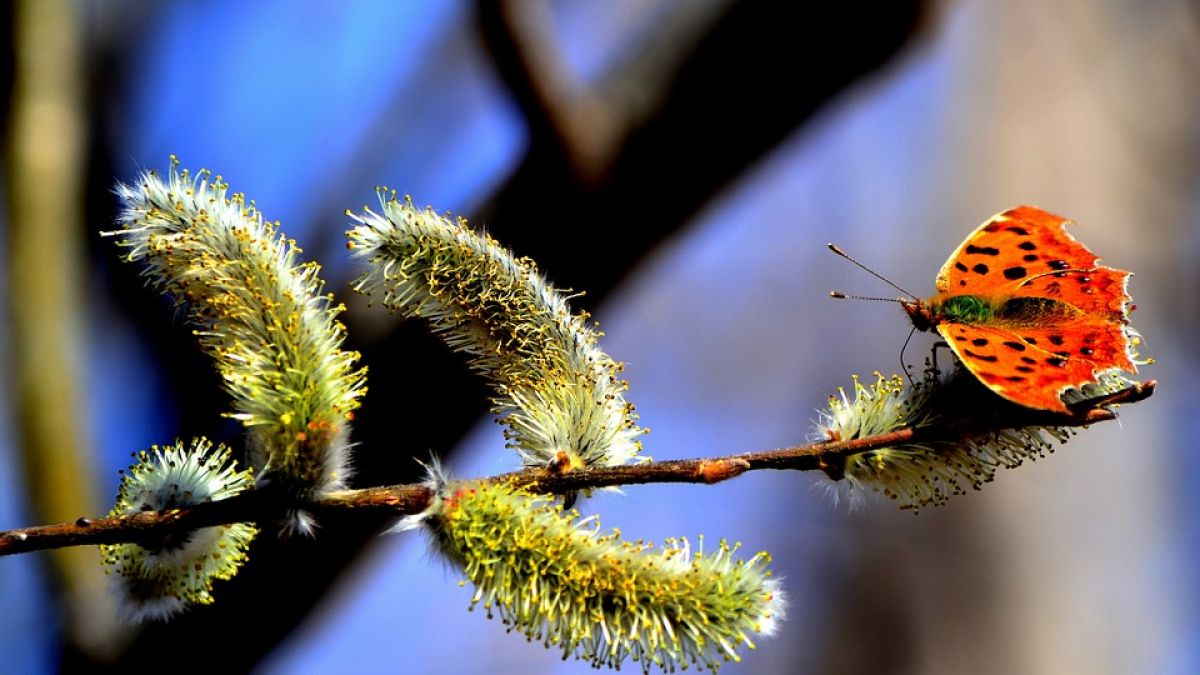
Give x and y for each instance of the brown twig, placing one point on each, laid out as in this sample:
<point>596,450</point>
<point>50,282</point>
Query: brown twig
<point>399,500</point>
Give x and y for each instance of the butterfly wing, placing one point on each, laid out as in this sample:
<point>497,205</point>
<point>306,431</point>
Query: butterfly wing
<point>1027,252</point>
<point>1100,291</point>
<point>1033,366</point>
<point>1032,357</point>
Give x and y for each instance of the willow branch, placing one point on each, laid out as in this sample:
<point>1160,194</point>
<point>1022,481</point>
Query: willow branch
<point>265,505</point>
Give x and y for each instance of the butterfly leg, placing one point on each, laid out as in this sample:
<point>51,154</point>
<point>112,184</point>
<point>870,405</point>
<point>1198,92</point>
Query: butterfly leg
<point>904,366</point>
<point>933,354</point>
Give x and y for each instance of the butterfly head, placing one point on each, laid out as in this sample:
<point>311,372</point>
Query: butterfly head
<point>921,313</point>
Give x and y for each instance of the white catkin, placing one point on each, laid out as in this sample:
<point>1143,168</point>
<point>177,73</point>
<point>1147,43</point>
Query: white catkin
<point>158,582</point>
<point>918,474</point>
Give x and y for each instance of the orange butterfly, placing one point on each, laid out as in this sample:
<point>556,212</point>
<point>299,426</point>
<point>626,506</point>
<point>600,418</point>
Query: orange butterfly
<point>1027,309</point>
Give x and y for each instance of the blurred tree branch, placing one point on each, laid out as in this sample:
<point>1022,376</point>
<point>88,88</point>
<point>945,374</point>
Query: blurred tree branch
<point>590,122</point>
<point>45,190</point>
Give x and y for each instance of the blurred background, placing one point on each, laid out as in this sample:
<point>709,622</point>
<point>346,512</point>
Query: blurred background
<point>684,164</point>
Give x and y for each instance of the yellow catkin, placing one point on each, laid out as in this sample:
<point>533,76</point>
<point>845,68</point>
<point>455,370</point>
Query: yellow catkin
<point>555,578</point>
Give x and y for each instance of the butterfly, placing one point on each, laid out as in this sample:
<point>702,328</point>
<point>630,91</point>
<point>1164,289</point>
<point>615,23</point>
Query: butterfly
<point>1028,311</point>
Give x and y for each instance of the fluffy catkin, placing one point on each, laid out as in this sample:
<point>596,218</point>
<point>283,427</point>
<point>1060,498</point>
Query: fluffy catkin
<point>157,581</point>
<point>561,397</point>
<point>929,472</point>
<point>260,313</point>
<point>555,578</point>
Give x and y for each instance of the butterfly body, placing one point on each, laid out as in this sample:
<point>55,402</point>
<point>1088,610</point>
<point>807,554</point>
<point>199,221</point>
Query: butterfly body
<point>976,310</point>
<point>1029,311</point>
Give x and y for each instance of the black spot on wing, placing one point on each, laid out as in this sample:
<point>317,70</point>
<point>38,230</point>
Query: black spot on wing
<point>1057,264</point>
<point>979,342</point>
<point>1015,346</point>
<point>1024,369</point>
<point>1027,246</point>
<point>1017,229</point>
<point>1014,273</point>
<point>960,267</point>
<point>1030,257</point>
<point>981,357</point>
<point>1056,340</point>
<point>982,250</point>
<point>980,268</point>
<point>1056,361</point>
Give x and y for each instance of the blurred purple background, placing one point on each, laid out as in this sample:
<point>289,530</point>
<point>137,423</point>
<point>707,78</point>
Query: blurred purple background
<point>684,163</point>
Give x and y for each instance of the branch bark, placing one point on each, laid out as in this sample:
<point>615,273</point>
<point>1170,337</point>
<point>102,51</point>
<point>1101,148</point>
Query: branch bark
<point>266,505</point>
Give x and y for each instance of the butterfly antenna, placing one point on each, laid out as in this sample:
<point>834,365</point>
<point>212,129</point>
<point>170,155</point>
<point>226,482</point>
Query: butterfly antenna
<point>847,296</point>
<point>837,249</point>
